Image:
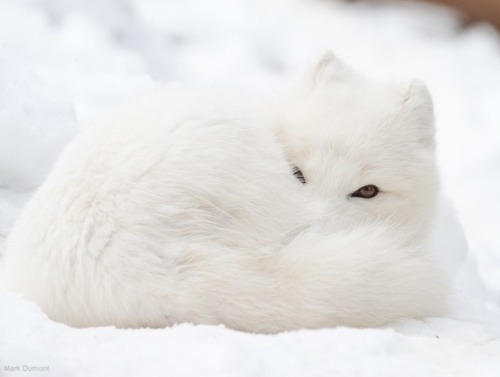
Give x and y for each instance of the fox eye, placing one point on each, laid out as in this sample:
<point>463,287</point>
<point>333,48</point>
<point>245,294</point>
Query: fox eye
<point>298,174</point>
<point>366,192</point>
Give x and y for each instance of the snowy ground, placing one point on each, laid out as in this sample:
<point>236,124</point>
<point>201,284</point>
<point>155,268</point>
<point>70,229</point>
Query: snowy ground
<point>63,62</point>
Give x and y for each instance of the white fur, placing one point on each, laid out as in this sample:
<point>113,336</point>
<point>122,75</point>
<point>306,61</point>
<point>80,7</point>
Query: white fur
<point>182,207</point>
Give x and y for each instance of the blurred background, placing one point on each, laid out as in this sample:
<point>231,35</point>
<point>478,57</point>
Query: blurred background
<point>62,63</point>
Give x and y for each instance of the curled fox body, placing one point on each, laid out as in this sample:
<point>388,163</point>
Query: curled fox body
<point>312,210</point>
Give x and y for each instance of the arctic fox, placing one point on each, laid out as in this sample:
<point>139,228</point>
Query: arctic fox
<point>308,211</point>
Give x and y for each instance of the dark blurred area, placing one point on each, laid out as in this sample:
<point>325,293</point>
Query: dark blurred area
<point>475,10</point>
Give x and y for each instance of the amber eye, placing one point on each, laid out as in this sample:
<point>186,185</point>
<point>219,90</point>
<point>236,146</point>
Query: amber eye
<point>298,174</point>
<point>366,192</point>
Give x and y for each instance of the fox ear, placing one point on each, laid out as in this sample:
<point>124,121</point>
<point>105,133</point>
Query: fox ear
<point>418,112</point>
<point>327,69</point>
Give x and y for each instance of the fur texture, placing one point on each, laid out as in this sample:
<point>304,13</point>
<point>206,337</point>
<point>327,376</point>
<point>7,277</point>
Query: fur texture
<point>183,207</point>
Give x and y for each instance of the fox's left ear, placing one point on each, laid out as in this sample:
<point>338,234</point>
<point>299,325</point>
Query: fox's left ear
<point>418,112</point>
<point>328,68</point>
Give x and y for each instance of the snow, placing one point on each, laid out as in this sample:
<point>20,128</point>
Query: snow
<point>64,63</point>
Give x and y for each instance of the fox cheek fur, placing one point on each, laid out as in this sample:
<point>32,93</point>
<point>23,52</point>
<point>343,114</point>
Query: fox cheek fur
<point>194,206</point>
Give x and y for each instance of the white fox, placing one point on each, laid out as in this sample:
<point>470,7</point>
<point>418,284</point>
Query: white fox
<point>308,211</point>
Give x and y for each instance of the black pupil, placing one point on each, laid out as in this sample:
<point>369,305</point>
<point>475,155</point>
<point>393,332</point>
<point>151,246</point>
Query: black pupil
<point>368,190</point>
<point>298,174</point>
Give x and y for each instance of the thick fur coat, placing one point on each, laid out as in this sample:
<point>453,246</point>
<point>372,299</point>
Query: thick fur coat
<point>195,206</point>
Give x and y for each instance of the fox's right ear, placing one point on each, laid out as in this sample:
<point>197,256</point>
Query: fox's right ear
<point>418,112</point>
<point>328,69</point>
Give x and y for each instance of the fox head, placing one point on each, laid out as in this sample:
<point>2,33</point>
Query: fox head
<point>363,149</point>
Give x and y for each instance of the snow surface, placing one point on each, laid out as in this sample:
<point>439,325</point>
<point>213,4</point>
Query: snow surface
<point>62,63</point>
